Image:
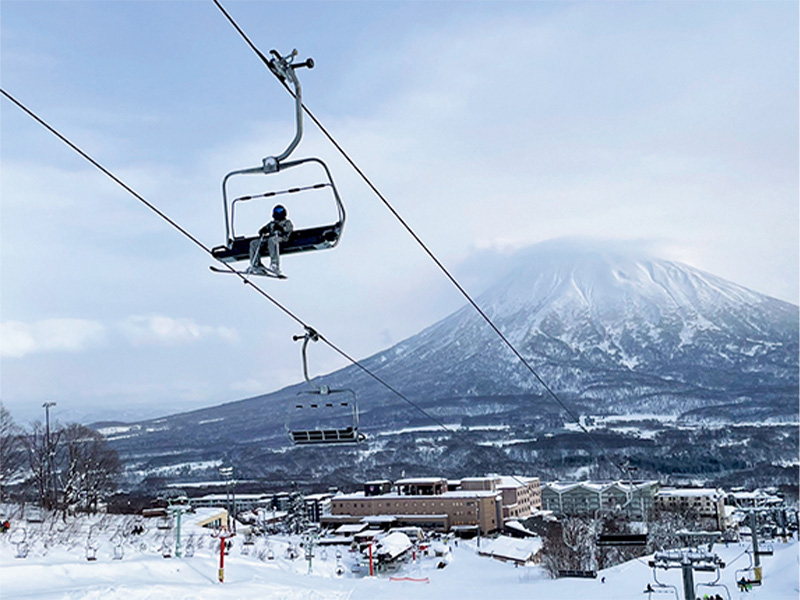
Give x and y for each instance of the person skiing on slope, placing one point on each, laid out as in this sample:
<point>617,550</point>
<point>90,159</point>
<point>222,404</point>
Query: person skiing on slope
<point>272,234</point>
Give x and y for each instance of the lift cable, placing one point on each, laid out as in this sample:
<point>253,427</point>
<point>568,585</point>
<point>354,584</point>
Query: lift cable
<point>419,240</point>
<point>207,250</point>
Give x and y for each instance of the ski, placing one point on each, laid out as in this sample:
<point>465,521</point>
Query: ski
<point>268,273</point>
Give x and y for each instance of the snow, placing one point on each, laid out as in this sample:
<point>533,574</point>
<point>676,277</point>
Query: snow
<point>61,571</point>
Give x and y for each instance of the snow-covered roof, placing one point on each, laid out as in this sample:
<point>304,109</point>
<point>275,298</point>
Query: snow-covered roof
<point>224,497</point>
<point>380,519</point>
<point>394,544</point>
<point>510,481</point>
<point>319,496</point>
<point>517,549</point>
<point>421,481</point>
<point>396,496</point>
<point>349,529</point>
<point>201,517</point>
<point>517,526</point>
<point>598,486</point>
<point>691,492</point>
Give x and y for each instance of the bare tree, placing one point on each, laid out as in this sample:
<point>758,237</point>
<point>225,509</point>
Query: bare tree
<point>36,451</point>
<point>569,545</point>
<point>617,524</point>
<point>87,466</point>
<point>12,451</point>
<point>75,470</point>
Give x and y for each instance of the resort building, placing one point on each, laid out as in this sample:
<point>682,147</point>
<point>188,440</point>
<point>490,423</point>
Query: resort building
<point>636,498</point>
<point>706,503</point>
<point>481,503</point>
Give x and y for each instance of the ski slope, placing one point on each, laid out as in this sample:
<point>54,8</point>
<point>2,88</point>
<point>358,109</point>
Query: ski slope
<point>56,568</point>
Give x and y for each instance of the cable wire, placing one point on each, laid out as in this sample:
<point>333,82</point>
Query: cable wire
<point>417,238</point>
<point>208,251</point>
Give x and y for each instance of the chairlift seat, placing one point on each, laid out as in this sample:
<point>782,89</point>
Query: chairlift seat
<point>300,240</point>
<point>347,435</point>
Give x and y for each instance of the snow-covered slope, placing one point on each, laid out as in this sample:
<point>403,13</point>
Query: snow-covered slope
<point>56,568</point>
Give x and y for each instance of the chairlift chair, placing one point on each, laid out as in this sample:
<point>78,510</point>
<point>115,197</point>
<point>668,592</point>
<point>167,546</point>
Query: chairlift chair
<point>714,585</point>
<point>765,549</point>
<point>661,587</point>
<point>237,247</point>
<point>336,407</point>
<point>748,575</point>
<point>621,539</point>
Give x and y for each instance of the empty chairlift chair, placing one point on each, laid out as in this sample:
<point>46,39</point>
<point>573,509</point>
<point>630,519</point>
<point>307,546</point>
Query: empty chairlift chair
<point>325,415</point>
<point>335,414</point>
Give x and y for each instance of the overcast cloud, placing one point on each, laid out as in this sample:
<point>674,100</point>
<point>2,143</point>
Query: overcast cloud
<point>490,127</point>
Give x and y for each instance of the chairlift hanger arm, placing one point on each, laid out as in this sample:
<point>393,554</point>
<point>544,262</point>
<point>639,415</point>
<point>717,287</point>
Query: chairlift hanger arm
<point>283,67</point>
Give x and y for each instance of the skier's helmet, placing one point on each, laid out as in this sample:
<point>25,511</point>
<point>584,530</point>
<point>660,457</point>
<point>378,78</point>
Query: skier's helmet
<point>279,212</point>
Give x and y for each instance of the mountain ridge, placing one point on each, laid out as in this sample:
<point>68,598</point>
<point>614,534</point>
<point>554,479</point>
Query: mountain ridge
<point>611,332</point>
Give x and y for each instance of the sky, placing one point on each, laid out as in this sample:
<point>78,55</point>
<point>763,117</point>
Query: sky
<point>489,126</point>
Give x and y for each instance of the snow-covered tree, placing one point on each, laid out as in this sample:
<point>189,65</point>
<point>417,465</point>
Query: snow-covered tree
<point>88,467</point>
<point>39,461</point>
<point>12,451</point>
<point>297,519</point>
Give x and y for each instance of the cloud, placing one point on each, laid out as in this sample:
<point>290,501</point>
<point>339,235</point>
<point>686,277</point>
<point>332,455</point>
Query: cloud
<point>168,331</point>
<point>18,339</point>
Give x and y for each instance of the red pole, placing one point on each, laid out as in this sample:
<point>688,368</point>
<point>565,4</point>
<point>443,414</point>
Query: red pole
<point>221,558</point>
<point>370,560</point>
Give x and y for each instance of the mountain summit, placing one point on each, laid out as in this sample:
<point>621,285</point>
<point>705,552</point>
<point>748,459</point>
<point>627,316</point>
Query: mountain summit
<point>599,320</point>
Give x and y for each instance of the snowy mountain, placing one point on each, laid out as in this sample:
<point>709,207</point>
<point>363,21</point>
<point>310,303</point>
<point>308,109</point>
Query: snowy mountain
<point>590,318</point>
<point>615,334</point>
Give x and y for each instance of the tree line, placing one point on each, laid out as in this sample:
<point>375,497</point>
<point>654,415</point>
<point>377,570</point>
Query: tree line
<point>69,468</point>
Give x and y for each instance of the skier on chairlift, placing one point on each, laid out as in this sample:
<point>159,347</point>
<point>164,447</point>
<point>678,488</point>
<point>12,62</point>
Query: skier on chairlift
<point>272,234</point>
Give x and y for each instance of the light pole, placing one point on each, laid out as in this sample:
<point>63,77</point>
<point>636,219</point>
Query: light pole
<point>227,473</point>
<point>49,482</point>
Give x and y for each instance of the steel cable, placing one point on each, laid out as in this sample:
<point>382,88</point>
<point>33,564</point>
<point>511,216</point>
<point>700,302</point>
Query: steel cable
<point>208,251</point>
<point>418,239</point>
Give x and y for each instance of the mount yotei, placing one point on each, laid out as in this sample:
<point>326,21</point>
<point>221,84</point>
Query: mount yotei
<point>681,372</point>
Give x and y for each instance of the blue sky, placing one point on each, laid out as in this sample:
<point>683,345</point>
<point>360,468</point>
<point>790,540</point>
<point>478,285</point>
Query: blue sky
<point>491,126</point>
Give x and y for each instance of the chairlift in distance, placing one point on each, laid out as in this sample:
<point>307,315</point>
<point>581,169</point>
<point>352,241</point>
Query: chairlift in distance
<point>660,588</point>
<point>341,402</point>
<point>713,584</point>
<point>237,247</point>
<point>749,575</point>
<point>621,539</point>
<point>765,548</point>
